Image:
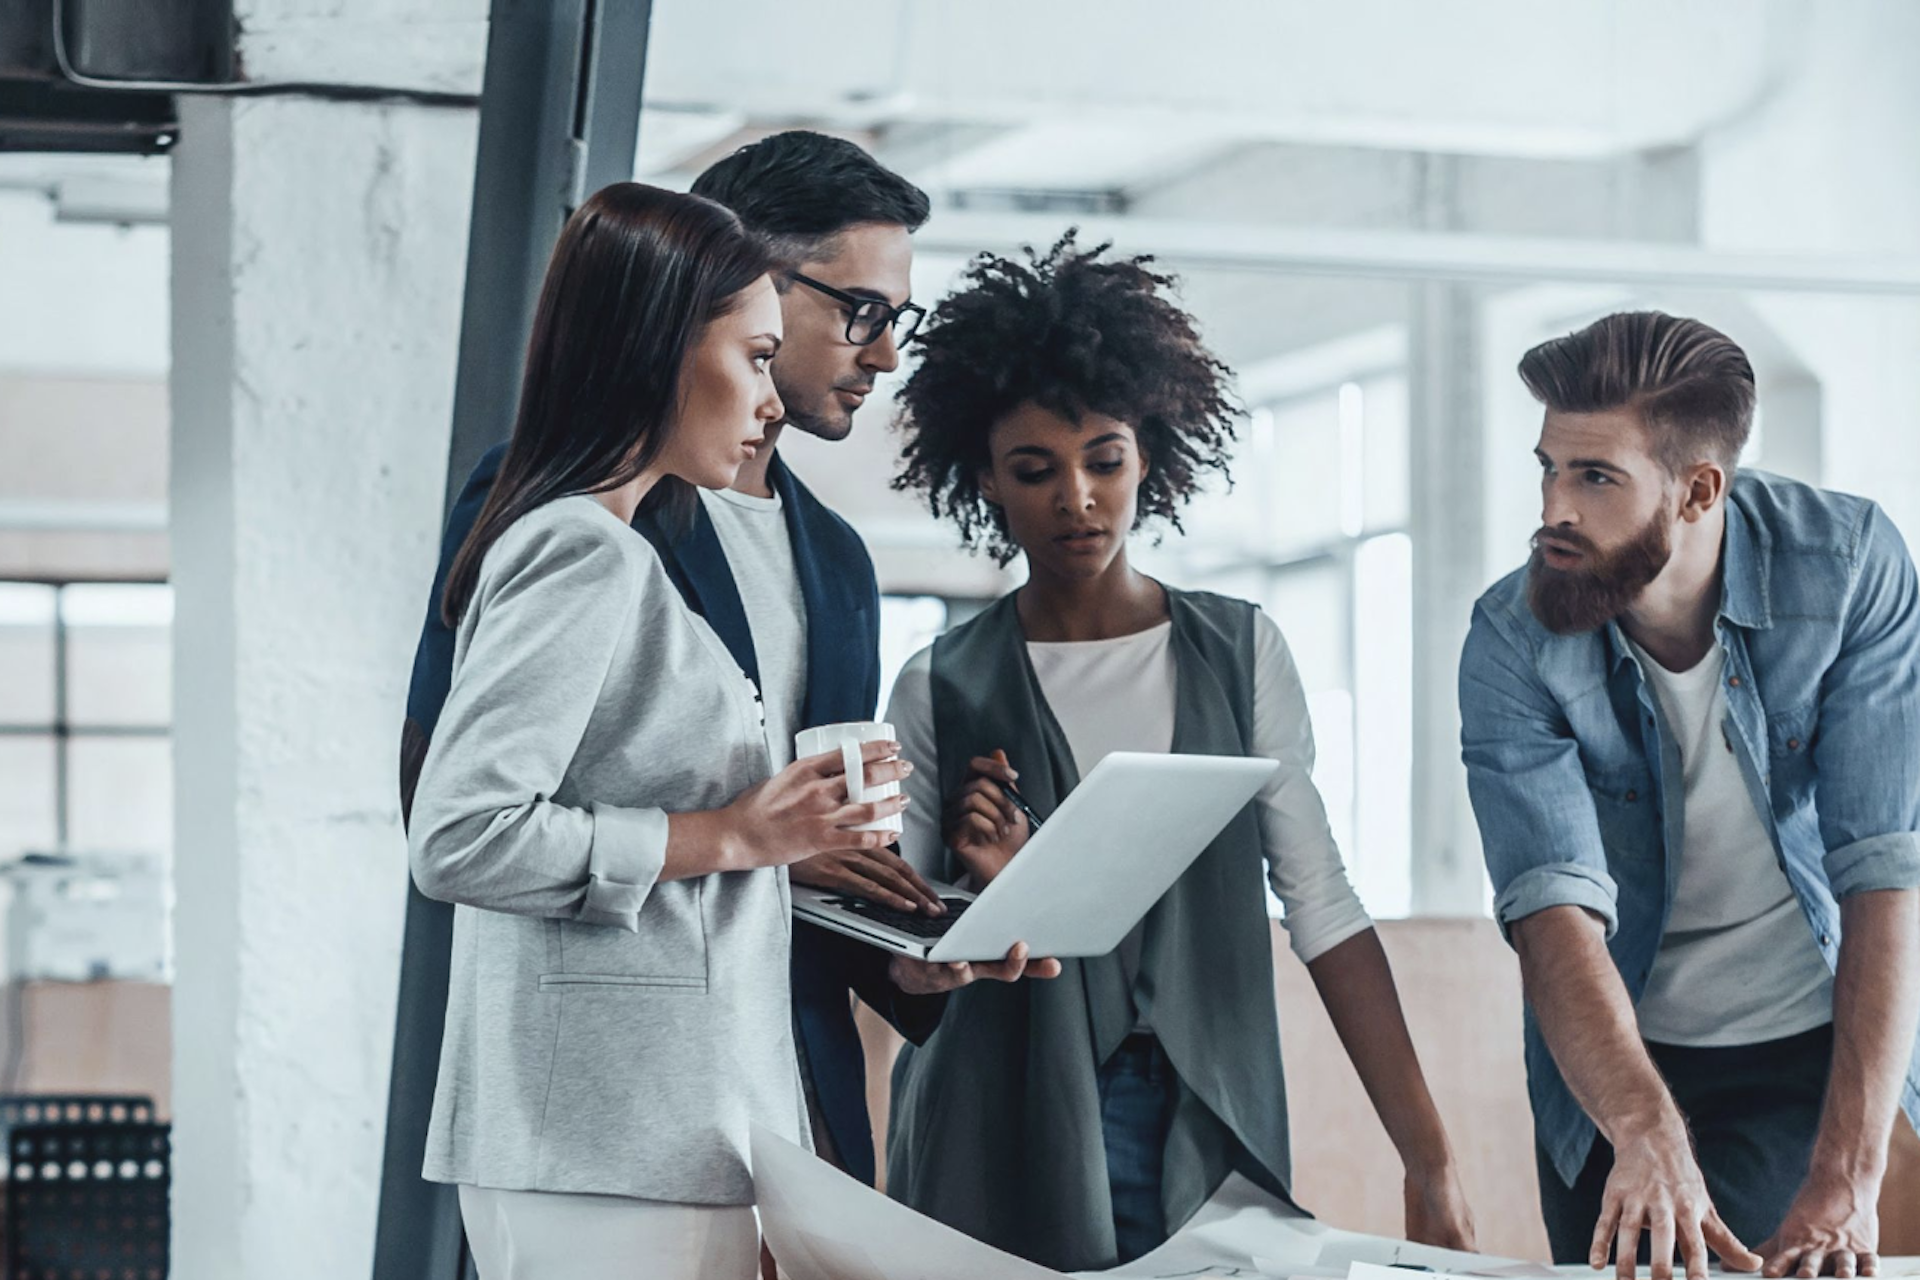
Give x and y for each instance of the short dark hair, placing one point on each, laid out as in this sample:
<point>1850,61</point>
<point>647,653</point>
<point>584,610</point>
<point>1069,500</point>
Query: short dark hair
<point>1690,384</point>
<point>1073,332</point>
<point>799,189</point>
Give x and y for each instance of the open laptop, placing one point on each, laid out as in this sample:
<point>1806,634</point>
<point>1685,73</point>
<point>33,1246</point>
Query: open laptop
<point>1085,878</point>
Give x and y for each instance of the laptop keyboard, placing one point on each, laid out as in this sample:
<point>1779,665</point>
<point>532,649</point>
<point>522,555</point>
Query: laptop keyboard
<point>913,922</point>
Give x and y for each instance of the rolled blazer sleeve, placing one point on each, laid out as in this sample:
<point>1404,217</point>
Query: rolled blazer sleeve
<point>554,609</point>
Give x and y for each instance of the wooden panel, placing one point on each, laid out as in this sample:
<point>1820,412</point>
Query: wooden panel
<point>1460,987</point>
<point>95,1037</point>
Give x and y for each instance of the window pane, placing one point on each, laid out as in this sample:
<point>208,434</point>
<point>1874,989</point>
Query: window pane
<point>1301,493</point>
<point>1380,858</point>
<point>26,796</point>
<point>26,654</point>
<point>120,794</point>
<point>1309,604</point>
<point>1384,451</point>
<point>119,654</point>
<point>908,624</point>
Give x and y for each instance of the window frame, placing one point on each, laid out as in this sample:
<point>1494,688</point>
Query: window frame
<point>61,728</point>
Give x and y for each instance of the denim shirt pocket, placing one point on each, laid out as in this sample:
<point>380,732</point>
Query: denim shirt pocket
<point>1629,820</point>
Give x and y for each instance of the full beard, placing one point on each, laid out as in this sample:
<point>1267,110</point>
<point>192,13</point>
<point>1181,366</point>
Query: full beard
<point>1572,601</point>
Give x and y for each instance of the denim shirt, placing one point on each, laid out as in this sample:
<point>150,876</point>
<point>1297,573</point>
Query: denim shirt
<point>1571,768</point>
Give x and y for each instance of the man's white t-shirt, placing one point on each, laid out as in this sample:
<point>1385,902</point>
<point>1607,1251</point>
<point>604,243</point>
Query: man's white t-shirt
<point>1737,963</point>
<point>753,533</point>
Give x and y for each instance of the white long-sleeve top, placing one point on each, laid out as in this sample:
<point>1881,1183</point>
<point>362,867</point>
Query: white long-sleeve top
<point>1119,695</point>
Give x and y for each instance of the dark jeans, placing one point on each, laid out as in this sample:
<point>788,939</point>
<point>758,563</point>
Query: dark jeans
<point>1753,1110</point>
<point>1137,1093</point>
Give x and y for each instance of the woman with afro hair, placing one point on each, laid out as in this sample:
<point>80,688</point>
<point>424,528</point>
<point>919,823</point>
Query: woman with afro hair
<point>1060,403</point>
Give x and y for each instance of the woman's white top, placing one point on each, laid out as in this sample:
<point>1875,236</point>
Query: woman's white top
<point>1119,695</point>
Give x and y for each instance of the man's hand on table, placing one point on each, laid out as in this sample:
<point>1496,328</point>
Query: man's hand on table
<point>1831,1228</point>
<point>1656,1187</point>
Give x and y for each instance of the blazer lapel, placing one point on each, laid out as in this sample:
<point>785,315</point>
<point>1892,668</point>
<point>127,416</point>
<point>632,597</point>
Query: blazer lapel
<point>697,563</point>
<point>837,625</point>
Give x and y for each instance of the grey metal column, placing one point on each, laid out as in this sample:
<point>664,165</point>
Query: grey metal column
<point>559,118</point>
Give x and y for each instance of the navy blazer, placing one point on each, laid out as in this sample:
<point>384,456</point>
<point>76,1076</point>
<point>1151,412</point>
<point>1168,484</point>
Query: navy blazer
<point>843,676</point>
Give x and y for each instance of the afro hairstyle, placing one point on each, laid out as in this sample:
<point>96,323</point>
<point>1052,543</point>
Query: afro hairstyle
<point>1073,331</point>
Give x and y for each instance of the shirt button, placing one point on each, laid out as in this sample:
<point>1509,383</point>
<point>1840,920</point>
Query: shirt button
<point>1793,744</point>
<point>1632,796</point>
<point>1826,940</point>
<point>1734,681</point>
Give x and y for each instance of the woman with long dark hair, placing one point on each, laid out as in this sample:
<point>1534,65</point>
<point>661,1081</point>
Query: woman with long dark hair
<point>596,797</point>
<point>1059,404</point>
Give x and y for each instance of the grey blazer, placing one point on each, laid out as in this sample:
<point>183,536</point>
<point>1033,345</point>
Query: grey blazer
<point>606,1032</point>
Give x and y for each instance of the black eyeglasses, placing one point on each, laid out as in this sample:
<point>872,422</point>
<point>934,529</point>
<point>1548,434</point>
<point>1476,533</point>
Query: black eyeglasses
<point>868,318</point>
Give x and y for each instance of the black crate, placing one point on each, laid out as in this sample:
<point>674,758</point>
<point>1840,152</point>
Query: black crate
<point>88,1201</point>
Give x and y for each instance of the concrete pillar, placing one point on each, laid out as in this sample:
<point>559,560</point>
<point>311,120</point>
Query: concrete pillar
<point>1447,507</point>
<point>1447,479</point>
<point>1825,165</point>
<point>319,250</point>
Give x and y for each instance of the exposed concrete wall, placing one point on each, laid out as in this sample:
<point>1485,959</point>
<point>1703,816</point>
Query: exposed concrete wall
<point>1829,164</point>
<point>319,252</point>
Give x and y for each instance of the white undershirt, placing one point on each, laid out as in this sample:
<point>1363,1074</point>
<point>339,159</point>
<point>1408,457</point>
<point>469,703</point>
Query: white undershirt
<point>1737,963</point>
<point>753,533</point>
<point>1119,695</point>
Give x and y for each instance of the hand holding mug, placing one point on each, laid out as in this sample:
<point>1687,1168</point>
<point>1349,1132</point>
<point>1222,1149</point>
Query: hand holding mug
<point>807,807</point>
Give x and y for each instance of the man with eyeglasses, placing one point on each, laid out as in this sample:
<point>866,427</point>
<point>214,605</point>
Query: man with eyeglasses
<point>786,583</point>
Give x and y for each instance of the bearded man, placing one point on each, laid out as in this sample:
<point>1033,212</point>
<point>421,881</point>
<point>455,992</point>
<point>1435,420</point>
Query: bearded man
<point>1691,727</point>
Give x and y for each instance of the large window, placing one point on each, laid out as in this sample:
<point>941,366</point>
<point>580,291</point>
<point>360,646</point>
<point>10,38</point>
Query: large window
<point>1315,531</point>
<point>85,712</point>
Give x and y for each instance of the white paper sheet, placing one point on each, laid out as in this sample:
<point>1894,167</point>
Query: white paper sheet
<point>823,1225</point>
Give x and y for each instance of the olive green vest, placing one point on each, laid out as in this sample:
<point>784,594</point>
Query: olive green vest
<point>995,1126</point>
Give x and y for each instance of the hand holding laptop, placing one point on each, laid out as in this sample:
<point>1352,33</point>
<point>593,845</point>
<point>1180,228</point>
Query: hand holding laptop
<point>931,977</point>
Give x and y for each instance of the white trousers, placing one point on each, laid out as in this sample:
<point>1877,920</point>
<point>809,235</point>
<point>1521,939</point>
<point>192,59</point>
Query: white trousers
<point>541,1235</point>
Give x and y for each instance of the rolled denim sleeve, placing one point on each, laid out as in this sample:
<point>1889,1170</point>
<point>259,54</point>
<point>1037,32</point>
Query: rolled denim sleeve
<point>1538,830</point>
<point>1866,753</point>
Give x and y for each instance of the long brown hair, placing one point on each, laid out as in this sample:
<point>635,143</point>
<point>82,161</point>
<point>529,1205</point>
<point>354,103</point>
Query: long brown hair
<point>637,273</point>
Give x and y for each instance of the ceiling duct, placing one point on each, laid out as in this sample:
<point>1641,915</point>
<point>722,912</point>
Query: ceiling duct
<point>75,75</point>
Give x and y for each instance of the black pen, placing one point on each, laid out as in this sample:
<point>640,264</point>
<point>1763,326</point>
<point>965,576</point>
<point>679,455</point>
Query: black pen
<point>1020,802</point>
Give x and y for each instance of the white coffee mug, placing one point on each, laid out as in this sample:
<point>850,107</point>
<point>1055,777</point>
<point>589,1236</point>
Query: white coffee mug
<point>848,737</point>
